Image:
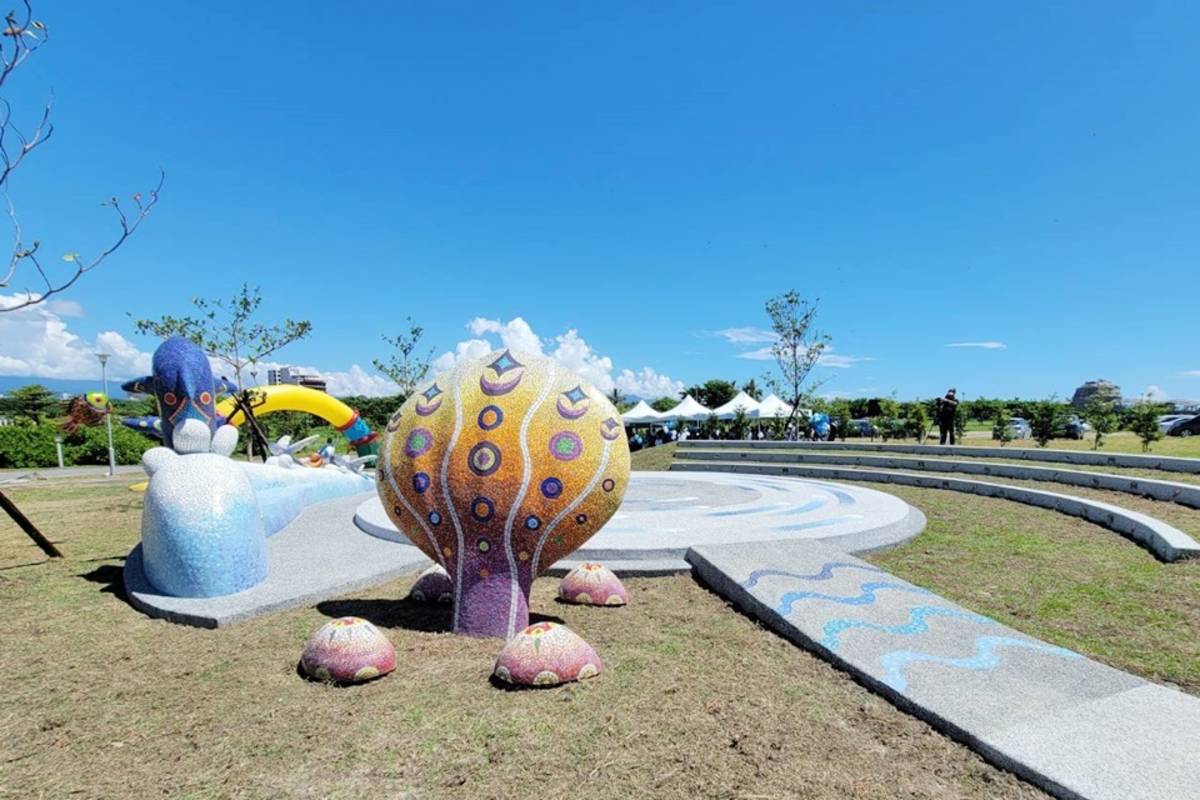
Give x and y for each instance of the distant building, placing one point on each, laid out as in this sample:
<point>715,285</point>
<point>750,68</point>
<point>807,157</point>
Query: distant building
<point>1107,390</point>
<point>289,375</point>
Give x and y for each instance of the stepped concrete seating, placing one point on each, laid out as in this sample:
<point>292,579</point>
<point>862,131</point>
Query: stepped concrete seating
<point>1165,541</point>
<point>1072,726</point>
<point>1187,494</point>
<point>1083,457</point>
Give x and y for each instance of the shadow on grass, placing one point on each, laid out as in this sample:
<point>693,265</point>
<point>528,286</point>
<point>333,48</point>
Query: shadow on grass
<point>113,578</point>
<point>408,614</point>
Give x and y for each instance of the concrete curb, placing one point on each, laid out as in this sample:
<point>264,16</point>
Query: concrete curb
<point>1164,541</point>
<point>1085,457</point>
<point>1186,494</point>
<point>1069,725</point>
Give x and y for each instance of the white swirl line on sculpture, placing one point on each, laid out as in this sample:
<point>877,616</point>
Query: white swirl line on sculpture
<point>537,553</point>
<point>526,477</point>
<point>456,379</point>
<point>390,472</point>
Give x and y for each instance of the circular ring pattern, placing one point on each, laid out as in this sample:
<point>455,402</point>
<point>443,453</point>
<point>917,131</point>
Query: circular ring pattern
<point>608,485</point>
<point>552,488</point>
<point>490,417</point>
<point>419,441</point>
<point>566,446</point>
<point>420,482</point>
<point>482,509</point>
<point>532,522</point>
<point>580,519</point>
<point>435,518</point>
<point>484,459</point>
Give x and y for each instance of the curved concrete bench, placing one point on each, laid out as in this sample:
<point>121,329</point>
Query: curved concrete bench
<point>1187,494</point>
<point>1165,541</point>
<point>1083,457</point>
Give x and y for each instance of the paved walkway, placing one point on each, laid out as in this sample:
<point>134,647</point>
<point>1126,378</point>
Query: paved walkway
<point>16,475</point>
<point>1072,726</point>
<point>664,514</point>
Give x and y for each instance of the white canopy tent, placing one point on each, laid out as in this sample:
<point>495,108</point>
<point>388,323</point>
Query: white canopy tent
<point>688,410</point>
<point>642,414</point>
<point>773,408</point>
<point>743,402</point>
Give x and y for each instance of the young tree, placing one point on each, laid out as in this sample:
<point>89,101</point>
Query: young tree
<point>797,347</point>
<point>1045,419</point>
<point>751,388</point>
<point>227,330</point>
<point>404,365</point>
<point>740,424</point>
<point>1143,420</point>
<point>1001,429</point>
<point>22,36</point>
<point>917,421</point>
<point>839,414</point>
<point>1101,414</point>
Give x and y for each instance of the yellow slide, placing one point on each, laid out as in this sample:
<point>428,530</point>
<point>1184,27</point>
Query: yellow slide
<point>289,397</point>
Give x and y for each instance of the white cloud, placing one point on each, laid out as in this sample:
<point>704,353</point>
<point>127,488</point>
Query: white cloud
<point>37,342</point>
<point>830,358</point>
<point>515,334</point>
<point>746,335</point>
<point>648,384</point>
<point>990,345</point>
<point>1191,373</point>
<point>569,349</point>
<point>1154,394</point>
<point>761,354</point>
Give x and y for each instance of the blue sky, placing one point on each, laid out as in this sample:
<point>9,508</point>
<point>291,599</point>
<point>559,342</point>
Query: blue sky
<point>645,176</point>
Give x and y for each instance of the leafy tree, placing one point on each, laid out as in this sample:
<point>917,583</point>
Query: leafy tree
<point>887,422</point>
<point>1101,414</point>
<point>751,388</point>
<point>740,424</point>
<point>710,426</point>
<point>797,347</point>
<point>917,421</point>
<point>664,404</point>
<point>960,423</point>
<point>712,393</point>
<point>1046,417</point>
<point>839,414</point>
<point>1143,420</point>
<point>1000,429</point>
<point>22,37</point>
<point>404,365</point>
<point>227,331</point>
<point>34,403</point>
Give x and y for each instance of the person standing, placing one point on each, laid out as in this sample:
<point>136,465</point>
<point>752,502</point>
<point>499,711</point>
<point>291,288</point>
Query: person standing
<point>947,409</point>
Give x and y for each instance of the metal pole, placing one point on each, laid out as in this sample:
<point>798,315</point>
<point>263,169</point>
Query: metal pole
<point>112,456</point>
<point>58,449</point>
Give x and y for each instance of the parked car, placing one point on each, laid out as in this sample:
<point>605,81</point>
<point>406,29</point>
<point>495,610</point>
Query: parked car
<point>861,427</point>
<point>1188,426</point>
<point>1167,421</point>
<point>1019,427</point>
<point>1075,428</point>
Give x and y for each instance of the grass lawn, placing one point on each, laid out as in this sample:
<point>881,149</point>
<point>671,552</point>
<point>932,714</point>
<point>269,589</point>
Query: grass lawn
<point>698,701</point>
<point>1059,578</point>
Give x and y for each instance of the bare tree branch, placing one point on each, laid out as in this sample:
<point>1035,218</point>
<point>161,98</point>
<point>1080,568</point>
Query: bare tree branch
<point>22,36</point>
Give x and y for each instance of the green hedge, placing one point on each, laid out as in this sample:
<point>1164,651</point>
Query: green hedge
<point>30,446</point>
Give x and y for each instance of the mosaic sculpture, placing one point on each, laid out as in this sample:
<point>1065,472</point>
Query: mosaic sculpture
<point>546,654</point>
<point>432,586</point>
<point>348,650</point>
<point>207,517</point>
<point>496,470</point>
<point>591,584</point>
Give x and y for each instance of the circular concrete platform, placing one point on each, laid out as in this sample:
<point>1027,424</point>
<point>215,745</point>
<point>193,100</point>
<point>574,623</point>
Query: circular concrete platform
<point>665,513</point>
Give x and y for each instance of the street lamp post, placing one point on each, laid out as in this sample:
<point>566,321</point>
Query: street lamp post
<point>112,456</point>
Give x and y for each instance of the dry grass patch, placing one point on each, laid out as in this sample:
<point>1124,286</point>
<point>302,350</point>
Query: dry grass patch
<point>698,701</point>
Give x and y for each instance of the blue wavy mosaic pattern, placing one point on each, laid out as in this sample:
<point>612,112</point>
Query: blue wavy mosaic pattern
<point>916,624</point>
<point>984,658</point>
<point>823,574</point>
<point>867,596</point>
<point>819,523</point>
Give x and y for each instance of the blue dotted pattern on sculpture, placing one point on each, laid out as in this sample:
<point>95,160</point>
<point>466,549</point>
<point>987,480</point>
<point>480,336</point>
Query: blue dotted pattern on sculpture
<point>202,535</point>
